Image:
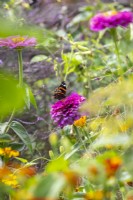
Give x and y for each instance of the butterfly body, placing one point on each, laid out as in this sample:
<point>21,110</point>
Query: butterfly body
<point>32,2</point>
<point>60,92</point>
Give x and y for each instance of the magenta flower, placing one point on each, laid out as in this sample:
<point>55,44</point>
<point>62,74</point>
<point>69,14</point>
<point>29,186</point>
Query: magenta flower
<point>14,42</point>
<point>111,19</point>
<point>64,112</point>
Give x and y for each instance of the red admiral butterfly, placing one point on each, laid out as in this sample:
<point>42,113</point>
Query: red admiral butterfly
<point>60,92</point>
<point>32,2</point>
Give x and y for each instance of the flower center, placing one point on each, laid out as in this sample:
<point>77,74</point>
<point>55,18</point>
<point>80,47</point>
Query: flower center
<point>110,13</point>
<point>18,39</point>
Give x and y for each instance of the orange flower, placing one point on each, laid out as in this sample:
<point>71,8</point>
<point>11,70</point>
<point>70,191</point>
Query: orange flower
<point>8,152</point>
<point>21,169</point>
<point>80,122</point>
<point>4,171</point>
<point>72,178</point>
<point>93,170</point>
<point>30,171</point>
<point>130,197</point>
<point>112,165</point>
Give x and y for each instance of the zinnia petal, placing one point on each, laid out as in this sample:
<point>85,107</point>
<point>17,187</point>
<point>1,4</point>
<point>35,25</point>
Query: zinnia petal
<point>17,42</point>
<point>111,19</point>
<point>64,112</point>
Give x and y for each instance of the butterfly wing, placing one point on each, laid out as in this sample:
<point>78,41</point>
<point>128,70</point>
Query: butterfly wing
<point>60,92</point>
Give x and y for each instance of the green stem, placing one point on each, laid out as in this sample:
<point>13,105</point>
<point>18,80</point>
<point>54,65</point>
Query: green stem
<point>79,137</point>
<point>20,63</point>
<point>9,121</point>
<point>69,63</point>
<point>114,36</point>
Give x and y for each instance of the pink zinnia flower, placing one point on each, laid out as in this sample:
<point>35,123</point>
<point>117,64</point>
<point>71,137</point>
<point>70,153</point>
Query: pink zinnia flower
<point>14,42</point>
<point>111,19</point>
<point>64,112</point>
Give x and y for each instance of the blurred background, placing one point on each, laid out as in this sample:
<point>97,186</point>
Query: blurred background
<point>58,18</point>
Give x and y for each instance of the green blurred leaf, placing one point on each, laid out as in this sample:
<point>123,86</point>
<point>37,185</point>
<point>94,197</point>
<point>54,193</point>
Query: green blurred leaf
<point>22,134</point>
<point>5,138</point>
<point>38,58</point>
<point>59,164</point>
<point>128,159</point>
<point>29,97</point>
<point>17,146</point>
<point>50,186</point>
<point>21,159</point>
<point>3,127</point>
<point>126,47</point>
<point>4,1</point>
<point>81,17</point>
<point>4,190</point>
<point>11,95</point>
<point>71,61</point>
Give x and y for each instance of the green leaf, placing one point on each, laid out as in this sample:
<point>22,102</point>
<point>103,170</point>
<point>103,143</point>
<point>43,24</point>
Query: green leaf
<point>80,18</point>
<point>22,134</point>
<point>3,127</point>
<point>71,61</point>
<point>11,95</point>
<point>29,97</point>
<point>59,164</point>
<point>50,186</point>
<point>32,98</point>
<point>128,160</point>
<point>38,58</point>
<point>4,190</point>
<point>4,138</point>
<point>22,160</point>
<point>17,146</point>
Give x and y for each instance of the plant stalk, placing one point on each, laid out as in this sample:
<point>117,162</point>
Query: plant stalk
<point>114,36</point>
<point>9,121</point>
<point>20,63</point>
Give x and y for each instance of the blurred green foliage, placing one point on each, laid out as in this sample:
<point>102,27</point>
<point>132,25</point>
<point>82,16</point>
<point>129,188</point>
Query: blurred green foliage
<point>11,95</point>
<point>12,28</point>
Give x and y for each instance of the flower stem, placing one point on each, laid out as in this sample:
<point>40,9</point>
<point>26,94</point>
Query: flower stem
<point>79,137</point>
<point>114,36</point>
<point>10,121</point>
<point>20,63</point>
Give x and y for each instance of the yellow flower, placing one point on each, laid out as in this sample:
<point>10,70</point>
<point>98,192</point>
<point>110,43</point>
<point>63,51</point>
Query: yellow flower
<point>1,152</point>
<point>22,194</point>
<point>10,180</point>
<point>94,195</point>
<point>80,122</point>
<point>8,152</point>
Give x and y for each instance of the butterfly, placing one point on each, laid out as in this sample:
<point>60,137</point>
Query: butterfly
<point>32,2</point>
<point>60,92</point>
